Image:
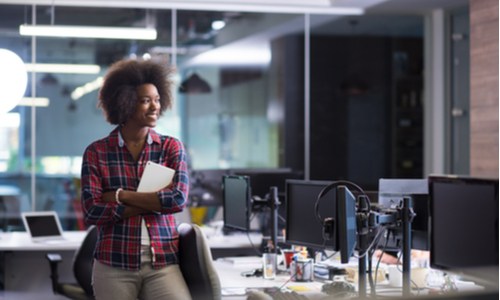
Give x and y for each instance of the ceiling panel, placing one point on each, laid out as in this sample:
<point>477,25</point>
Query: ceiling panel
<point>194,26</point>
<point>284,6</point>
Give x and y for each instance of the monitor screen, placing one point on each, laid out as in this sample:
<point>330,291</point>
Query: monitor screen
<point>42,224</point>
<point>302,226</point>
<point>346,221</point>
<point>236,201</point>
<point>464,224</point>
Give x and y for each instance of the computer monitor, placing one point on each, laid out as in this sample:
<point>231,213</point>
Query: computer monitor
<point>464,226</point>
<point>236,202</point>
<point>261,181</point>
<point>205,187</point>
<point>346,222</point>
<point>302,226</point>
<point>390,195</point>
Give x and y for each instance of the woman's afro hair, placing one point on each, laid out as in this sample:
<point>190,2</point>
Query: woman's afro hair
<point>118,94</point>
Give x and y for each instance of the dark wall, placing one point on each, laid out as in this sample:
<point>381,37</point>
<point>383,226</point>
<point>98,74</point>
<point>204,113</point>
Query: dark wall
<point>352,96</point>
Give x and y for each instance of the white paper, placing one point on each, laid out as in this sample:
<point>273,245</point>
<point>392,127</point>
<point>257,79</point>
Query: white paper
<point>155,177</point>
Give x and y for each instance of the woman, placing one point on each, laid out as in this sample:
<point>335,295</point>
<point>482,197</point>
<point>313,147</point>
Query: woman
<point>137,246</point>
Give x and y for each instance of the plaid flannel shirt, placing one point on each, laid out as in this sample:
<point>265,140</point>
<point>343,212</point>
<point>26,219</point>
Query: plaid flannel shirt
<point>108,165</point>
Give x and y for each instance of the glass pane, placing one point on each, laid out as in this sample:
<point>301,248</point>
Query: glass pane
<point>62,128</point>
<point>237,120</point>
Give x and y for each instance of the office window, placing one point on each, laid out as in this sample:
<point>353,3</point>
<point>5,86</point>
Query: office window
<point>9,141</point>
<point>251,116</point>
<point>237,124</point>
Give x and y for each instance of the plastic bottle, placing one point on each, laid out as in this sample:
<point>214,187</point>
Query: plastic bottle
<point>269,264</point>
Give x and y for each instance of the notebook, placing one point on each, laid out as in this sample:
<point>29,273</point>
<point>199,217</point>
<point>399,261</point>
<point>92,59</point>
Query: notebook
<point>155,177</point>
<point>43,226</point>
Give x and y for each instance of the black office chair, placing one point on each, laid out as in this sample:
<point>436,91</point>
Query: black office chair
<point>195,261</point>
<point>82,269</point>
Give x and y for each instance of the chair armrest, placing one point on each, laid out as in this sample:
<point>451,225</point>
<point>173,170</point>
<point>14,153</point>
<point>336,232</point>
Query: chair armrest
<point>54,260</point>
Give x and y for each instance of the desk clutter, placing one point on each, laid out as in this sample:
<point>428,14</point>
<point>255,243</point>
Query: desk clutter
<point>327,279</point>
<point>340,217</point>
<point>274,294</point>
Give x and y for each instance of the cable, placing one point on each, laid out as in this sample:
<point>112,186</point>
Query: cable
<point>328,232</point>
<point>373,288</point>
<point>380,259</point>
<point>370,274</point>
<point>327,188</point>
<point>371,249</point>
<point>252,216</point>
<point>253,246</point>
<point>375,241</point>
<point>400,254</point>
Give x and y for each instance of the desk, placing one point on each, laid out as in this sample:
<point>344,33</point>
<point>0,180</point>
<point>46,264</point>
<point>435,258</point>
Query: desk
<point>25,268</point>
<point>21,241</point>
<point>234,285</point>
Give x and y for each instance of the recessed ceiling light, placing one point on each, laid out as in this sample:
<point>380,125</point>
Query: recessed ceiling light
<point>95,32</point>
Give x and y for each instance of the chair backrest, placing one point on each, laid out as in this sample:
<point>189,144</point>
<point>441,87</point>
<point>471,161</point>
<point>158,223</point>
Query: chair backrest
<point>195,261</point>
<point>84,259</point>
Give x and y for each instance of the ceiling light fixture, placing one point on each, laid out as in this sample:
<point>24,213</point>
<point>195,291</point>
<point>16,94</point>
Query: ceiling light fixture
<point>63,68</point>
<point>87,88</point>
<point>48,79</point>
<point>34,101</point>
<point>218,24</point>
<point>13,80</point>
<point>259,55</point>
<point>194,84</point>
<point>96,32</point>
<point>259,6</point>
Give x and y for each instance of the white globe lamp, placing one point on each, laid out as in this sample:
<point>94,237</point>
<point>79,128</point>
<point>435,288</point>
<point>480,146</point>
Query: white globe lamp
<point>13,80</point>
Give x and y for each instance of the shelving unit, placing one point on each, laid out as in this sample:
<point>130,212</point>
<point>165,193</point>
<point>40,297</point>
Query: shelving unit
<point>407,114</point>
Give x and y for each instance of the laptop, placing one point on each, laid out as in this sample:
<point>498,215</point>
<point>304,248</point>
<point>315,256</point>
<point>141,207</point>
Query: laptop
<point>43,227</point>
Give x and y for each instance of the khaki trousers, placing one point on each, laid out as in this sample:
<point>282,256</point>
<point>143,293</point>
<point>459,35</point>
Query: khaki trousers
<point>146,284</point>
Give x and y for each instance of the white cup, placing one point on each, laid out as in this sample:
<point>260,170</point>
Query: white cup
<point>418,276</point>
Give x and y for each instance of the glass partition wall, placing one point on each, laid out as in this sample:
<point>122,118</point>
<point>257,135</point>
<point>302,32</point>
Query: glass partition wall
<point>241,98</point>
